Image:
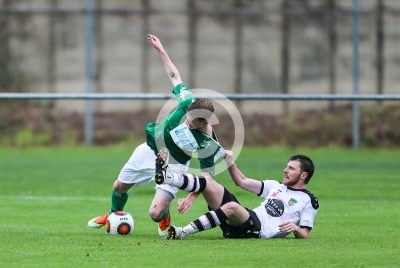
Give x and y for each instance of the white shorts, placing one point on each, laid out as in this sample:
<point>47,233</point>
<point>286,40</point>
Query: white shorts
<point>140,169</point>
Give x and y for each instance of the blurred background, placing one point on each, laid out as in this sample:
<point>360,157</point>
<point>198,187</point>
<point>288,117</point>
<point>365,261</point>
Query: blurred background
<point>236,46</point>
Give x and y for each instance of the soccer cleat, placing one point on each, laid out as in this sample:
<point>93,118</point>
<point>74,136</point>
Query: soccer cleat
<point>98,222</point>
<point>163,226</point>
<point>161,165</point>
<point>174,233</point>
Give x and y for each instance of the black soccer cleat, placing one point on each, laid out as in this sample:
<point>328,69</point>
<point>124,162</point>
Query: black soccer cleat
<point>161,165</point>
<point>174,233</point>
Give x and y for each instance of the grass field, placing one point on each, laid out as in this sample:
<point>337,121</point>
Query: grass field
<point>47,195</point>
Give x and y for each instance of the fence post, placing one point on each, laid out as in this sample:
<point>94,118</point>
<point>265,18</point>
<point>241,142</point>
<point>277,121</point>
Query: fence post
<point>89,72</point>
<point>192,32</point>
<point>238,49</point>
<point>6,78</point>
<point>380,39</point>
<point>98,48</point>
<point>285,58</point>
<point>332,50</point>
<point>356,71</point>
<point>51,67</point>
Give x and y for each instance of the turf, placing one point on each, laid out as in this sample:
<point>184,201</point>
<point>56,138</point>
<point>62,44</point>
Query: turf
<point>47,195</point>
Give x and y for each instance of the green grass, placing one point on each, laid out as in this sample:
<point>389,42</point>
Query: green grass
<point>47,195</point>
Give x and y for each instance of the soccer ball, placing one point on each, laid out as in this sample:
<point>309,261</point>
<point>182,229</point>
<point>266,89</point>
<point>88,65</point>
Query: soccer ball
<point>120,223</point>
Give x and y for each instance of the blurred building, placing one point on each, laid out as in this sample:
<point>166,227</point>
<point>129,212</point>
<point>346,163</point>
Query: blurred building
<point>237,46</point>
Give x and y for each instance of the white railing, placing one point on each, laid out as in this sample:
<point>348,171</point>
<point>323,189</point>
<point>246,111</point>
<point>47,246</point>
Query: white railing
<point>157,96</point>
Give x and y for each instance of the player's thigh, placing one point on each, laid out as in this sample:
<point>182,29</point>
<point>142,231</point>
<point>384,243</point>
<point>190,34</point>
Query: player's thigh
<point>214,193</point>
<point>250,228</point>
<point>140,168</point>
<point>235,213</point>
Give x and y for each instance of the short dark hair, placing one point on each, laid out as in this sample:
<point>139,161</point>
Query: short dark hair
<point>306,165</point>
<point>204,107</point>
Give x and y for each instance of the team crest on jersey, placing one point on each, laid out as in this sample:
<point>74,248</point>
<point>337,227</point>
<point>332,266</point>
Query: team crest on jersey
<point>292,202</point>
<point>205,144</point>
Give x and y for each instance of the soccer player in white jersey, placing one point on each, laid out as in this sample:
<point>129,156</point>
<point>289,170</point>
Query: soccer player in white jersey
<point>184,131</point>
<point>287,206</point>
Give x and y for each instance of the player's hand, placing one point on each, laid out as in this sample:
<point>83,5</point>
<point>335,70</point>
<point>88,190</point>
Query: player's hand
<point>155,42</point>
<point>288,227</point>
<point>184,205</point>
<point>228,157</point>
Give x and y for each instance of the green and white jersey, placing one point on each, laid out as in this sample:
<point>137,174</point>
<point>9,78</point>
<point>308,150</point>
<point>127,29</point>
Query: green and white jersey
<point>182,142</point>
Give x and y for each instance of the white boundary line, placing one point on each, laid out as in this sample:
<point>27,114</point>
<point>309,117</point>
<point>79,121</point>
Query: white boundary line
<point>51,198</point>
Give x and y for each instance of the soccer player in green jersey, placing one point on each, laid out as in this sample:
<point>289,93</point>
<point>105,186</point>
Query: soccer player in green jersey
<point>184,131</point>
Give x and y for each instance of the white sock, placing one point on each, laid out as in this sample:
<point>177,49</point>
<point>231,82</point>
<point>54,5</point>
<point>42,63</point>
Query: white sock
<point>204,222</point>
<point>173,178</point>
<point>189,229</point>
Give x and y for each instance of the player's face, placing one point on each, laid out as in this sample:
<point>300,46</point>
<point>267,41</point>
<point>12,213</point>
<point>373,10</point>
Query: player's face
<point>292,173</point>
<point>194,123</point>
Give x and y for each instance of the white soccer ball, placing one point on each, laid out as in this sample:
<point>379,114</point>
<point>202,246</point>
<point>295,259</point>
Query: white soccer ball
<point>120,223</point>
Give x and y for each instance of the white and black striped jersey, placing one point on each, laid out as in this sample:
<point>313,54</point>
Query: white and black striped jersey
<point>282,204</point>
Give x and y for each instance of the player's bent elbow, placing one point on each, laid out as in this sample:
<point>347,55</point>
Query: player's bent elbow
<point>239,183</point>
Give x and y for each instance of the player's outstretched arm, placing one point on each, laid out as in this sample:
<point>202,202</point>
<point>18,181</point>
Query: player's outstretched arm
<point>237,176</point>
<point>172,71</point>
<point>185,204</point>
<point>289,227</point>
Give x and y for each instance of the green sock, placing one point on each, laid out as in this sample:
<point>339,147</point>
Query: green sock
<point>118,201</point>
<point>165,214</point>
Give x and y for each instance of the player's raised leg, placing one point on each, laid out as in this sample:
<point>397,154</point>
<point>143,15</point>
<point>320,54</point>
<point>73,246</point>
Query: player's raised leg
<point>161,165</point>
<point>185,182</point>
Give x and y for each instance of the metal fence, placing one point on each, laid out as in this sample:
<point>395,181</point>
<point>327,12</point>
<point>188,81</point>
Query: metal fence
<point>284,97</point>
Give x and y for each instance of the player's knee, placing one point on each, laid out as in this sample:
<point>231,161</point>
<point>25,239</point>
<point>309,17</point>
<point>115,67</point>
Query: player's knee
<point>156,215</point>
<point>120,187</point>
<point>117,186</point>
<point>230,208</point>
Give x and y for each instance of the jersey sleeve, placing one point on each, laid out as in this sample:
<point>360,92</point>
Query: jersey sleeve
<point>207,165</point>
<point>267,185</point>
<point>210,151</point>
<point>208,157</point>
<point>183,95</point>
<point>307,216</point>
